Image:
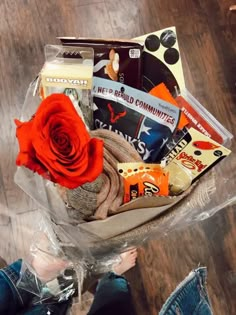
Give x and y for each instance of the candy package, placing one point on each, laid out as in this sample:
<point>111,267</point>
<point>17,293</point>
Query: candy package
<point>191,158</point>
<point>143,179</point>
<point>69,70</point>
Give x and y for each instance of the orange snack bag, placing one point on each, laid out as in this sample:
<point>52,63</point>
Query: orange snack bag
<point>163,93</point>
<point>141,179</point>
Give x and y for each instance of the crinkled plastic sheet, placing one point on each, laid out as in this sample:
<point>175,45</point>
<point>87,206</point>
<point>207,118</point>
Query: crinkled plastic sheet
<point>213,192</point>
<point>47,273</point>
<point>60,264</point>
<point>91,248</point>
<point>60,257</point>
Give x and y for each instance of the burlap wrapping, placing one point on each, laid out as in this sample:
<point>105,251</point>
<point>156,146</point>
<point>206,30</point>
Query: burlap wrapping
<point>115,222</point>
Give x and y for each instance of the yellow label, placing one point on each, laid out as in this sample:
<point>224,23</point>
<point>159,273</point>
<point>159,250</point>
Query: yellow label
<point>196,152</point>
<point>77,76</point>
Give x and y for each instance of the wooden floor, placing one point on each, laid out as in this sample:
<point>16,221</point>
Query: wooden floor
<point>207,39</point>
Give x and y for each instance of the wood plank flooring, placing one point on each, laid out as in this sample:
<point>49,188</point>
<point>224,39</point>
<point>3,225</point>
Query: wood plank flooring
<point>207,40</point>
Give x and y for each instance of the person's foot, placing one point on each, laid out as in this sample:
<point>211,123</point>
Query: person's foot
<point>2,263</point>
<point>44,260</point>
<point>47,266</point>
<point>128,261</point>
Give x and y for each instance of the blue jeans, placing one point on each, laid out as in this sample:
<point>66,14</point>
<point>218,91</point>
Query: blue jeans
<point>190,297</point>
<point>16,301</point>
<point>112,296</point>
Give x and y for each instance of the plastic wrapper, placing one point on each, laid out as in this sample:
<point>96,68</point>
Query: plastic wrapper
<point>201,119</point>
<point>58,262</point>
<point>69,70</point>
<point>47,273</point>
<point>57,268</point>
<point>89,233</point>
<point>90,248</point>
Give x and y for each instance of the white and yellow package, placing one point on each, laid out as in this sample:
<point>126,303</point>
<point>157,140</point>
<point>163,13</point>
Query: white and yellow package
<point>191,158</point>
<point>69,70</point>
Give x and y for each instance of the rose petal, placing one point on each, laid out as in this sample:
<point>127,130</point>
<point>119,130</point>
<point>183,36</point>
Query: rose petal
<point>79,136</point>
<point>56,103</point>
<point>74,179</point>
<point>71,169</point>
<point>27,157</point>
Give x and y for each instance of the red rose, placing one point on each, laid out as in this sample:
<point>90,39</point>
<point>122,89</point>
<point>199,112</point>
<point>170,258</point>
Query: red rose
<point>56,144</point>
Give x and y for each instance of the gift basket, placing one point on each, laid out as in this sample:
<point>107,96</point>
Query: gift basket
<point>115,150</point>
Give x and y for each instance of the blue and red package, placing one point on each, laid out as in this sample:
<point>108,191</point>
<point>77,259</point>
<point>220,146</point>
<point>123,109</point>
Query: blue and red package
<point>145,121</point>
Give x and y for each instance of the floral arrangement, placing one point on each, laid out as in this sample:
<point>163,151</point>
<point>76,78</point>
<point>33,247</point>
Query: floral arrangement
<point>99,163</point>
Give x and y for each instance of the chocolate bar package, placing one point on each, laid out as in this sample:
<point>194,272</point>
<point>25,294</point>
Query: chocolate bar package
<point>143,179</point>
<point>116,60</point>
<point>145,121</point>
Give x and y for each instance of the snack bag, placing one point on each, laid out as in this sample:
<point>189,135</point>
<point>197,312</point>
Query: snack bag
<point>114,59</point>
<point>145,121</point>
<point>191,158</point>
<point>142,179</point>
